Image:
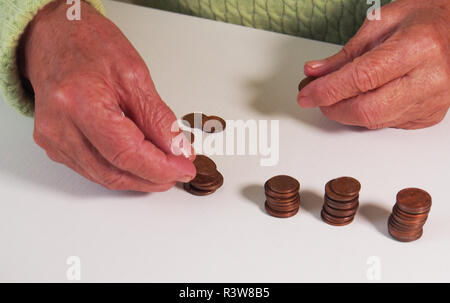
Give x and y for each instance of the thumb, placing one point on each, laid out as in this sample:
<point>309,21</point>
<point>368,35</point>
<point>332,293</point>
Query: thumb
<point>155,119</point>
<point>160,125</point>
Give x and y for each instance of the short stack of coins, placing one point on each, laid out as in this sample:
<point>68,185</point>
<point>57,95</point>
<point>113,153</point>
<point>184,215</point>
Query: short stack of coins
<point>341,201</point>
<point>282,196</point>
<point>409,214</point>
<point>208,178</point>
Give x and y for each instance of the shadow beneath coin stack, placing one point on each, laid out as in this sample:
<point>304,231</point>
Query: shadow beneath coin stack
<point>311,202</point>
<point>376,215</point>
<point>255,194</point>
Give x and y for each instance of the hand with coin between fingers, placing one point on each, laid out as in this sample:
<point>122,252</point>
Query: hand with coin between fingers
<point>395,72</point>
<point>96,108</point>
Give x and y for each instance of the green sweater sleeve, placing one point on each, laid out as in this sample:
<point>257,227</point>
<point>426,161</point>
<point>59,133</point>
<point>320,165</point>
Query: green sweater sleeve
<point>14,18</point>
<point>333,21</point>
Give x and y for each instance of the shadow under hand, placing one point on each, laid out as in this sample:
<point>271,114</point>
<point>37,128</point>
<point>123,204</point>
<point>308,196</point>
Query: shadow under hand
<point>311,202</point>
<point>277,94</point>
<point>376,215</point>
<point>255,194</point>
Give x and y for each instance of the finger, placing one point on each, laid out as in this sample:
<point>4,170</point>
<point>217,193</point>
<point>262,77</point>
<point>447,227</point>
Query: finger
<point>123,145</point>
<point>152,115</point>
<point>91,165</point>
<point>386,62</point>
<point>370,34</point>
<point>376,109</point>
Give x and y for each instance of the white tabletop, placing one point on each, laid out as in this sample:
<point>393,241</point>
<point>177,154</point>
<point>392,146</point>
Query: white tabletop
<point>49,213</point>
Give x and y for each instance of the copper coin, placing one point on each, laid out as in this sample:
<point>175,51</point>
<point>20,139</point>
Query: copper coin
<point>336,197</point>
<point>282,204</point>
<point>345,186</point>
<point>282,184</point>
<point>332,220</point>
<point>409,223</point>
<point>399,226</point>
<point>206,180</point>
<point>341,205</point>
<point>194,120</point>
<point>305,82</point>
<point>214,124</point>
<point>339,212</point>
<point>279,196</point>
<point>404,237</point>
<point>289,208</point>
<point>197,192</point>
<point>413,200</point>
<point>274,200</point>
<point>401,230</point>
<point>407,216</point>
<point>337,219</point>
<point>212,186</point>
<point>280,214</point>
<point>204,165</point>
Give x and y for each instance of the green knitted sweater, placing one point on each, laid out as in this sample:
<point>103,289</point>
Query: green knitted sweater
<point>333,21</point>
<point>328,20</point>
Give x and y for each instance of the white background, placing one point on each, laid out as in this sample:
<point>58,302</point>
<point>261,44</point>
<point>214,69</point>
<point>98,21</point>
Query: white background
<point>48,213</point>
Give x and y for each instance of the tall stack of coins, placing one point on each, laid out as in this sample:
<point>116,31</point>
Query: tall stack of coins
<point>208,178</point>
<point>282,196</point>
<point>409,214</point>
<point>341,201</point>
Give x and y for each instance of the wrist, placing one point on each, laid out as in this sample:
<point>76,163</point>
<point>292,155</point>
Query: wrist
<point>46,36</point>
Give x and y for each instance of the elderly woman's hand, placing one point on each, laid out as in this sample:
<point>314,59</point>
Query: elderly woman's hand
<point>395,72</point>
<point>96,108</point>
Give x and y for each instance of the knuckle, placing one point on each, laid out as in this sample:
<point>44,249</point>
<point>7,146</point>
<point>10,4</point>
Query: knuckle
<point>135,73</point>
<point>124,158</point>
<point>363,77</point>
<point>432,39</point>
<point>62,96</point>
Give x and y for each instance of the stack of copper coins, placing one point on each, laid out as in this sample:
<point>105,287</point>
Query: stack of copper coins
<point>208,178</point>
<point>282,196</point>
<point>409,214</point>
<point>341,201</point>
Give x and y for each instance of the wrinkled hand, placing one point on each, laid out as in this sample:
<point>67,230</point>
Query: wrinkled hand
<point>395,72</point>
<point>96,108</point>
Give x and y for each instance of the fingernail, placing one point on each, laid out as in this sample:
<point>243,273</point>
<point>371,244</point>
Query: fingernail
<point>305,102</point>
<point>316,64</point>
